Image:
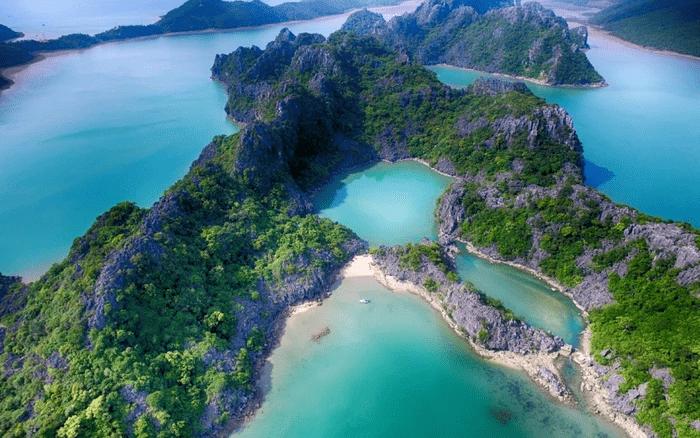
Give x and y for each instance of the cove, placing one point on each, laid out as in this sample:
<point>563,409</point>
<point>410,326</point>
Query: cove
<point>387,203</point>
<point>393,204</point>
<point>393,368</point>
<point>640,132</point>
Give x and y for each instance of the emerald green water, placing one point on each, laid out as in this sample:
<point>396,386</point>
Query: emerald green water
<point>386,204</point>
<point>528,297</point>
<point>392,368</point>
<point>81,132</point>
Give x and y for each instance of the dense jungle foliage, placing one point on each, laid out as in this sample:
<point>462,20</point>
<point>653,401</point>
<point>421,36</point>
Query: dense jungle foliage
<point>521,48</point>
<point>149,371</point>
<point>661,24</point>
<point>653,320</point>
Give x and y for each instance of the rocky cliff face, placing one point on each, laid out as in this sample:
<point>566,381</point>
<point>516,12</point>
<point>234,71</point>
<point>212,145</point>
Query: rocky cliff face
<point>524,40</point>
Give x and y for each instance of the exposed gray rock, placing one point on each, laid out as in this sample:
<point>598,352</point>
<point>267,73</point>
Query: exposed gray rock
<point>467,308</point>
<point>624,403</point>
<point>450,212</point>
<point>663,374</point>
<point>689,276</point>
<point>138,399</point>
<point>667,239</point>
<point>553,381</point>
<point>440,31</point>
<point>494,87</point>
<point>11,302</point>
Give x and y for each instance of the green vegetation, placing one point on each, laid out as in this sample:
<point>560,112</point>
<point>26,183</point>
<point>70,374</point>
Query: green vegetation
<point>190,289</point>
<point>661,24</point>
<point>524,49</point>
<point>654,322</point>
<point>170,312</point>
<point>183,275</point>
<point>527,41</point>
<point>220,14</point>
<point>567,230</point>
<point>412,257</point>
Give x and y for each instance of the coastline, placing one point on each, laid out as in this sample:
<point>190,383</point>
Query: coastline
<point>526,79</point>
<point>261,376</point>
<point>529,364</point>
<point>10,73</point>
<point>599,32</point>
<point>592,391</point>
<point>551,282</point>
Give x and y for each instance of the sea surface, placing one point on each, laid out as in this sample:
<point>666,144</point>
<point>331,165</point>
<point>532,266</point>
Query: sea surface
<point>118,122</point>
<point>122,122</point>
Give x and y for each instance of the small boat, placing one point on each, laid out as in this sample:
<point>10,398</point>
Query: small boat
<point>364,301</point>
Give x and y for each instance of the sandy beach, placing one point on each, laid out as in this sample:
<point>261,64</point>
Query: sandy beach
<point>591,389</point>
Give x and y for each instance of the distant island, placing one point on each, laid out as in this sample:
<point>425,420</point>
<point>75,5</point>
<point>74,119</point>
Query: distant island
<point>467,33</point>
<point>523,41</point>
<point>158,319</point>
<point>660,24</point>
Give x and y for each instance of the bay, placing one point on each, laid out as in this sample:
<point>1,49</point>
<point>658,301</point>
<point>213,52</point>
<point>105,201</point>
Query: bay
<point>529,298</point>
<point>386,204</point>
<point>83,131</point>
<point>393,368</point>
<point>49,178</point>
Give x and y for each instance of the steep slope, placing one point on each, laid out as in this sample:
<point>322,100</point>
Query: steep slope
<point>156,321</point>
<point>527,41</point>
<point>7,34</point>
<point>661,24</point>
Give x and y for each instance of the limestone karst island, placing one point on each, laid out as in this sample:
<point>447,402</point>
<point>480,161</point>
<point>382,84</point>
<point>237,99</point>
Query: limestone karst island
<point>454,218</point>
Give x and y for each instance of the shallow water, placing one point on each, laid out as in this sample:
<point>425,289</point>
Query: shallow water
<point>393,368</point>
<point>385,204</point>
<point>118,122</point>
<point>529,298</point>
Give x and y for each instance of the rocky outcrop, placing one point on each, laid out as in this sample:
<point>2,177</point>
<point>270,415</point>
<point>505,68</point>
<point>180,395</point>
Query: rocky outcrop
<point>12,294</point>
<point>526,40</point>
<point>465,306</point>
<point>554,383</point>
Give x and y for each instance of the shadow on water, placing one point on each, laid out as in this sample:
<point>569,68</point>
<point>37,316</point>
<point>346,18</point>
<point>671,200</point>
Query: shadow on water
<point>335,192</point>
<point>596,175</point>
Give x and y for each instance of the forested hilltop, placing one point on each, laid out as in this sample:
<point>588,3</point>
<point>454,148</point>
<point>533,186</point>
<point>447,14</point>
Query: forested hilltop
<point>519,197</point>
<point>155,322</point>
<point>526,41</point>
<point>660,24</point>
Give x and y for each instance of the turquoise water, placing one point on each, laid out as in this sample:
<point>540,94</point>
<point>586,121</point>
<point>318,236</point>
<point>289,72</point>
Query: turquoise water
<point>642,128</point>
<point>386,204</point>
<point>81,132</point>
<point>528,297</point>
<point>393,204</point>
<point>118,122</point>
<point>392,368</point>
